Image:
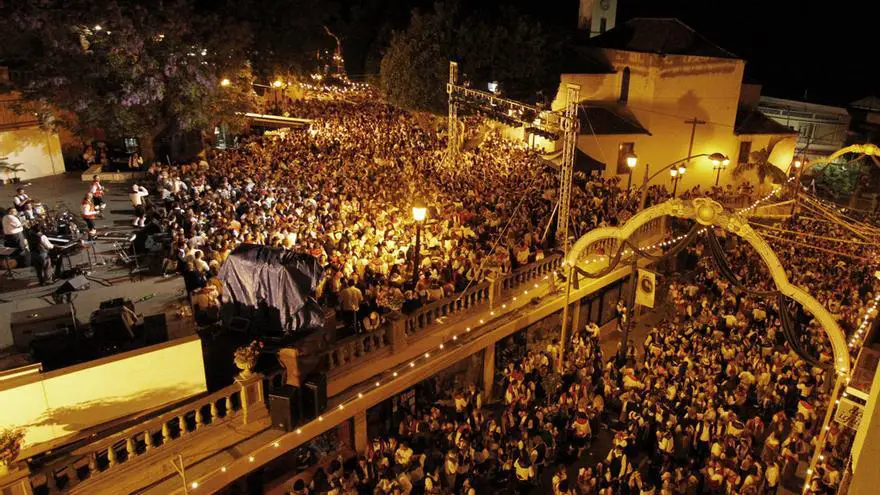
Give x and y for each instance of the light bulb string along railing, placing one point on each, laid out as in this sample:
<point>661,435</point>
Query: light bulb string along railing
<point>398,370</point>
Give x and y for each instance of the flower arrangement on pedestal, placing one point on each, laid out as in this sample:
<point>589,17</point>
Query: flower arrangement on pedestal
<point>10,446</point>
<point>246,357</point>
<point>389,297</point>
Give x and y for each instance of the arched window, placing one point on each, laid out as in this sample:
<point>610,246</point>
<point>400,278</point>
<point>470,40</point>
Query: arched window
<point>624,86</point>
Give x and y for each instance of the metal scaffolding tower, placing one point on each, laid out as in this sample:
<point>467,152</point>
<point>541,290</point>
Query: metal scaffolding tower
<point>538,121</point>
<point>452,145</point>
<point>569,143</point>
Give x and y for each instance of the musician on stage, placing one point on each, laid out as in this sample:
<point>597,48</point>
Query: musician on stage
<point>42,259</point>
<point>20,198</point>
<point>97,191</point>
<point>138,193</point>
<point>89,213</point>
<point>13,230</point>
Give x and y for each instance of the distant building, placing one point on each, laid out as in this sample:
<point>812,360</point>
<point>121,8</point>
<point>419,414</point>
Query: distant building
<point>822,129</point>
<point>865,125</point>
<point>647,85</point>
<point>597,16</point>
<point>22,142</point>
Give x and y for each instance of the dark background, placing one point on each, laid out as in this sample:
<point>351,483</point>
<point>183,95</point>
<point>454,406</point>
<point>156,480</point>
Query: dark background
<point>827,50</point>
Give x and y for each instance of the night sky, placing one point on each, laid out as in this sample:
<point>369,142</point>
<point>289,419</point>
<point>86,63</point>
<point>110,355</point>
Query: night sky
<point>824,48</point>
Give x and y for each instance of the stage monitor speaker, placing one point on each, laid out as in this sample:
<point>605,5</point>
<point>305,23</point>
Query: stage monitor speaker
<point>314,396</point>
<point>285,407</point>
<point>77,283</point>
<point>155,329</point>
<point>30,324</point>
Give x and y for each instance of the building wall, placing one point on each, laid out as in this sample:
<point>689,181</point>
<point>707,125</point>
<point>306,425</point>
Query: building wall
<point>38,151</point>
<point>822,128</point>
<point>22,141</point>
<point>664,93</point>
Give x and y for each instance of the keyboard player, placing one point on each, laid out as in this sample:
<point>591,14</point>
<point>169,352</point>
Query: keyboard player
<point>42,255</point>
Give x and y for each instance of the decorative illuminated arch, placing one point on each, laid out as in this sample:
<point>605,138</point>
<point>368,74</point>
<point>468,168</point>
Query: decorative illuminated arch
<point>862,149</point>
<point>709,213</point>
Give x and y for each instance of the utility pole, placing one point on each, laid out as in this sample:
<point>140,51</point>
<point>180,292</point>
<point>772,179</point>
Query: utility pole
<point>694,122</point>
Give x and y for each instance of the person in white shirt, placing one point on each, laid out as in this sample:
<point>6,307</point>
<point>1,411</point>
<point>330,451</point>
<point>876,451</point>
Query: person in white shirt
<point>13,230</point>
<point>89,213</point>
<point>138,193</point>
<point>20,198</point>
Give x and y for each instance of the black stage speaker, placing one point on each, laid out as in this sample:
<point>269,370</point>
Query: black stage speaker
<point>155,329</point>
<point>78,282</point>
<point>284,407</point>
<point>314,396</point>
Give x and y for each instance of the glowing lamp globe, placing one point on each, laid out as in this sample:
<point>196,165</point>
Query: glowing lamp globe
<point>631,160</point>
<point>681,170</point>
<point>419,211</point>
<point>277,84</point>
<point>719,159</point>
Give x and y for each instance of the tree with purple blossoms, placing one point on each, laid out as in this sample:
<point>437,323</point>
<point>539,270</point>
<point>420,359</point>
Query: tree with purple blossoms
<point>146,69</point>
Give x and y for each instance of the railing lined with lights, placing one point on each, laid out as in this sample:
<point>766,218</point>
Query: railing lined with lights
<point>478,295</point>
<point>532,271</point>
<point>351,349</point>
<point>159,435</point>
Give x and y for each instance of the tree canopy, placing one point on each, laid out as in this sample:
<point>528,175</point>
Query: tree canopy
<point>132,69</point>
<point>502,46</point>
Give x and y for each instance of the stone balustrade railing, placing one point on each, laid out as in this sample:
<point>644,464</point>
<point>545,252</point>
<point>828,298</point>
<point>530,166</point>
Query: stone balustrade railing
<point>352,348</point>
<point>157,436</point>
<point>530,272</point>
<point>478,295</point>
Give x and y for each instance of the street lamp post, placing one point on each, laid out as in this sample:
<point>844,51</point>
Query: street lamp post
<point>277,85</point>
<point>719,163</point>
<point>680,170</point>
<point>631,161</point>
<point>419,212</point>
<point>797,184</point>
<point>674,174</point>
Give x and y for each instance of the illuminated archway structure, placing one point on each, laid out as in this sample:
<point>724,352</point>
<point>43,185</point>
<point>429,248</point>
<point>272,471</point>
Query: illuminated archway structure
<point>863,149</point>
<point>709,213</point>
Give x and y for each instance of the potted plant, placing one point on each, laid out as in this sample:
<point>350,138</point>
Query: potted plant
<point>246,358</point>
<point>13,168</point>
<point>10,446</point>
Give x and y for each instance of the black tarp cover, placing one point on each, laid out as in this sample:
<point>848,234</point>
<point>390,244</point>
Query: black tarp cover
<point>258,277</point>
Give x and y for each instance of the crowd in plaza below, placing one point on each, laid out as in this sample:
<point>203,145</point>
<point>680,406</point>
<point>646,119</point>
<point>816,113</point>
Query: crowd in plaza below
<point>714,400</point>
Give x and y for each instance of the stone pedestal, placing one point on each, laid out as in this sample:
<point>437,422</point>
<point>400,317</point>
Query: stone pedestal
<point>15,480</point>
<point>253,406</point>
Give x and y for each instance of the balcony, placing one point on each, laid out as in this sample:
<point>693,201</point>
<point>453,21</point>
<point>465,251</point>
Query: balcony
<point>223,436</point>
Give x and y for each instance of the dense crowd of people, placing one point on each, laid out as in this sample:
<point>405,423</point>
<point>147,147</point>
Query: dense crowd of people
<point>343,190</point>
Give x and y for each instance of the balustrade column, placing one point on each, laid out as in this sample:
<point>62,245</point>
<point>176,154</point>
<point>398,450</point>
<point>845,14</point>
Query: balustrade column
<point>252,404</point>
<point>397,329</point>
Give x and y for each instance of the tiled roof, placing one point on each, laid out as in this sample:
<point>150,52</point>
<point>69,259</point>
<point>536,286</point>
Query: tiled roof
<point>608,119</point>
<point>751,121</point>
<point>668,36</point>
